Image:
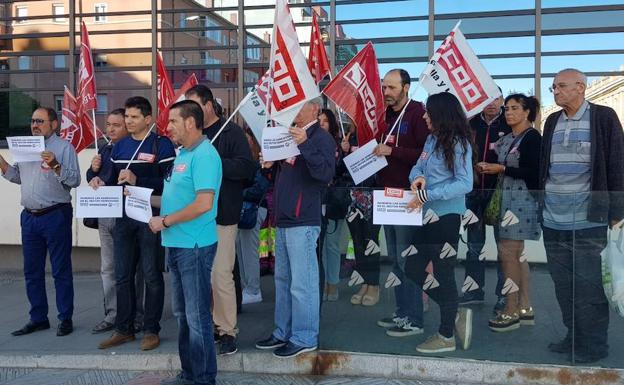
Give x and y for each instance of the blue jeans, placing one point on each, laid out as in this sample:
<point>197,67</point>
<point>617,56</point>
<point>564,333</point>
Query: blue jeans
<point>191,298</point>
<point>331,250</point>
<point>51,232</point>
<point>296,285</point>
<point>408,295</point>
<point>135,247</point>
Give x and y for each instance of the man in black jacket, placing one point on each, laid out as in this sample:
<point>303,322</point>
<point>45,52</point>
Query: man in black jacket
<point>487,127</point>
<point>581,174</point>
<point>238,167</point>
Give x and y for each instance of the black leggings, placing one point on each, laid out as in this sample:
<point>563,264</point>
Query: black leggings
<point>437,243</point>
<point>366,261</point>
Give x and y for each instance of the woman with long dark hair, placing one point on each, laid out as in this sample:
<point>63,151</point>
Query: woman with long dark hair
<point>440,181</point>
<point>518,170</point>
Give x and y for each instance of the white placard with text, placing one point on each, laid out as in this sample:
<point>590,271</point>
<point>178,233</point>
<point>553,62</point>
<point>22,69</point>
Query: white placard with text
<point>103,202</point>
<point>390,208</point>
<point>363,163</point>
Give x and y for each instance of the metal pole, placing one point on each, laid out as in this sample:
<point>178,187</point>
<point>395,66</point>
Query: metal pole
<point>332,35</point>
<point>240,52</point>
<point>431,28</point>
<point>538,54</point>
<point>72,45</point>
<point>154,93</point>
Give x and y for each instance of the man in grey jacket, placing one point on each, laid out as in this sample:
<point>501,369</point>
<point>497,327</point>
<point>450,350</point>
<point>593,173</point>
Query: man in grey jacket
<point>581,175</point>
<point>47,222</point>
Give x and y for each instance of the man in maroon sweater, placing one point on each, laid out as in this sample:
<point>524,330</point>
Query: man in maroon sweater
<point>402,149</point>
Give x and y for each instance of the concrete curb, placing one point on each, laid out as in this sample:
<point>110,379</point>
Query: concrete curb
<point>339,364</point>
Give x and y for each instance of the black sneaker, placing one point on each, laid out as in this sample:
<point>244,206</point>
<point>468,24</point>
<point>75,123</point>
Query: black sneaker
<point>404,328</point>
<point>474,297</point>
<point>270,343</point>
<point>228,345</point>
<point>563,346</point>
<point>291,350</point>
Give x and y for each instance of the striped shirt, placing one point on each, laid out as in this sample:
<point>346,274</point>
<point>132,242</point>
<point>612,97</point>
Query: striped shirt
<point>568,186</point>
<point>150,164</point>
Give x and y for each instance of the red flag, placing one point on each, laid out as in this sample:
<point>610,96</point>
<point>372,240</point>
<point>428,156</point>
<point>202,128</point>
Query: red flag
<point>317,56</point>
<point>356,89</point>
<point>163,115</point>
<point>165,94</point>
<point>76,127</point>
<point>86,78</point>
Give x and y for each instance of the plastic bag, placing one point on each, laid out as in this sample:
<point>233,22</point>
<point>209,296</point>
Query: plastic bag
<point>613,270</point>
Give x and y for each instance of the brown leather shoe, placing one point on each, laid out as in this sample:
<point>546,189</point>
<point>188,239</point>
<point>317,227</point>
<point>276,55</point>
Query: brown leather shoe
<point>115,339</point>
<point>150,341</point>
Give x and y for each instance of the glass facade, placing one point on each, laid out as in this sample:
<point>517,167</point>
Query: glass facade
<point>225,43</point>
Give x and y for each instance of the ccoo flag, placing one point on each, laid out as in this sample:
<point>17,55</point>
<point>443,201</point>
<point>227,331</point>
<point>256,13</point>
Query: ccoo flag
<point>317,56</point>
<point>356,89</point>
<point>455,68</point>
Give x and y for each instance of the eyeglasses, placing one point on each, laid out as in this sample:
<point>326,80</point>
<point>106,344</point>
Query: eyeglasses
<point>38,121</point>
<point>561,86</point>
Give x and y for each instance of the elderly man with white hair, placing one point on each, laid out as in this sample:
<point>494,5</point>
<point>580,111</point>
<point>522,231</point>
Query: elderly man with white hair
<point>581,174</point>
<point>297,203</point>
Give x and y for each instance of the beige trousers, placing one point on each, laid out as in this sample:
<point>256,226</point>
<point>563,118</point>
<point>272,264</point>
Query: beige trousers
<point>223,290</point>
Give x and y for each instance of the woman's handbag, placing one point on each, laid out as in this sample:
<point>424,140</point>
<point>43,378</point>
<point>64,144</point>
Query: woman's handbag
<point>492,212</point>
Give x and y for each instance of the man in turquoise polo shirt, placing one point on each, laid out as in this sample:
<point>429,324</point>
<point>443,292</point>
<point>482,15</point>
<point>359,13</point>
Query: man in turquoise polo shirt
<point>189,231</point>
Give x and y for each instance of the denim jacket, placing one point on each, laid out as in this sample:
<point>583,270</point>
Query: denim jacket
<point>445,190</point>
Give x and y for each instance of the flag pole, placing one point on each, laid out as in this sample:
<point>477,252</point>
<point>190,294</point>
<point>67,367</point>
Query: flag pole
<point>95,135</point>
<point>229,119</point>
<point>139,146</point>
<point>339,110</point>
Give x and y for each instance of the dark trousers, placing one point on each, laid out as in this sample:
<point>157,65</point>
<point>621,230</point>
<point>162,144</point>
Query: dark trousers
<point>367,254</point>
<point>476,202</point>
<point>575,266</point>
<point>51,232</point>
<point>408,295</point>
<point>127,235</point>
<point>434,240</point>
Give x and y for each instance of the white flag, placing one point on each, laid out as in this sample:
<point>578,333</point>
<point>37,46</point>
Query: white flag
<point>292,83</point>
<point>253,107</point>
<point>455,68</point>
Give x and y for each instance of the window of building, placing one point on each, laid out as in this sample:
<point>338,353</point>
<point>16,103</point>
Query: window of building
<point>59,61</point>
<point>22,14</point>
<point>23,63</point>
<point>212,34</point>
<point>101,61</point>
<point>58,10</point>
<point>58,104</point>
<point>183,20</point>
<point>100,9</point>
<point>102,103</point>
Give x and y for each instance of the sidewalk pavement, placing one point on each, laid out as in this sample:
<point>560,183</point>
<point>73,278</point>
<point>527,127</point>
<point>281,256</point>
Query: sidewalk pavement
<point>518,357</point>
<point>110,377</point>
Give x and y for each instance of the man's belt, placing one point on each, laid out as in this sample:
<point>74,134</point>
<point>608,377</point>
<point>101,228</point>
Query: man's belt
<point>46,210</point>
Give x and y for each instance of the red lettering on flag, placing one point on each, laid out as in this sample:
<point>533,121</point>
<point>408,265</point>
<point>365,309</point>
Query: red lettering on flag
<point>287,90</point>
<point>466,84</point>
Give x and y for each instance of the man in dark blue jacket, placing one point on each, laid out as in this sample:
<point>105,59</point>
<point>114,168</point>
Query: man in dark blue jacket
<point>299,182</point>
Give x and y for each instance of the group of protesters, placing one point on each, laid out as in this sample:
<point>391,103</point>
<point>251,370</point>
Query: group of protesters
<point>210,199</point>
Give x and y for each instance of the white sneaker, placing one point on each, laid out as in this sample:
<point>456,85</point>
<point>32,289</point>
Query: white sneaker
<point>251,298</point>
